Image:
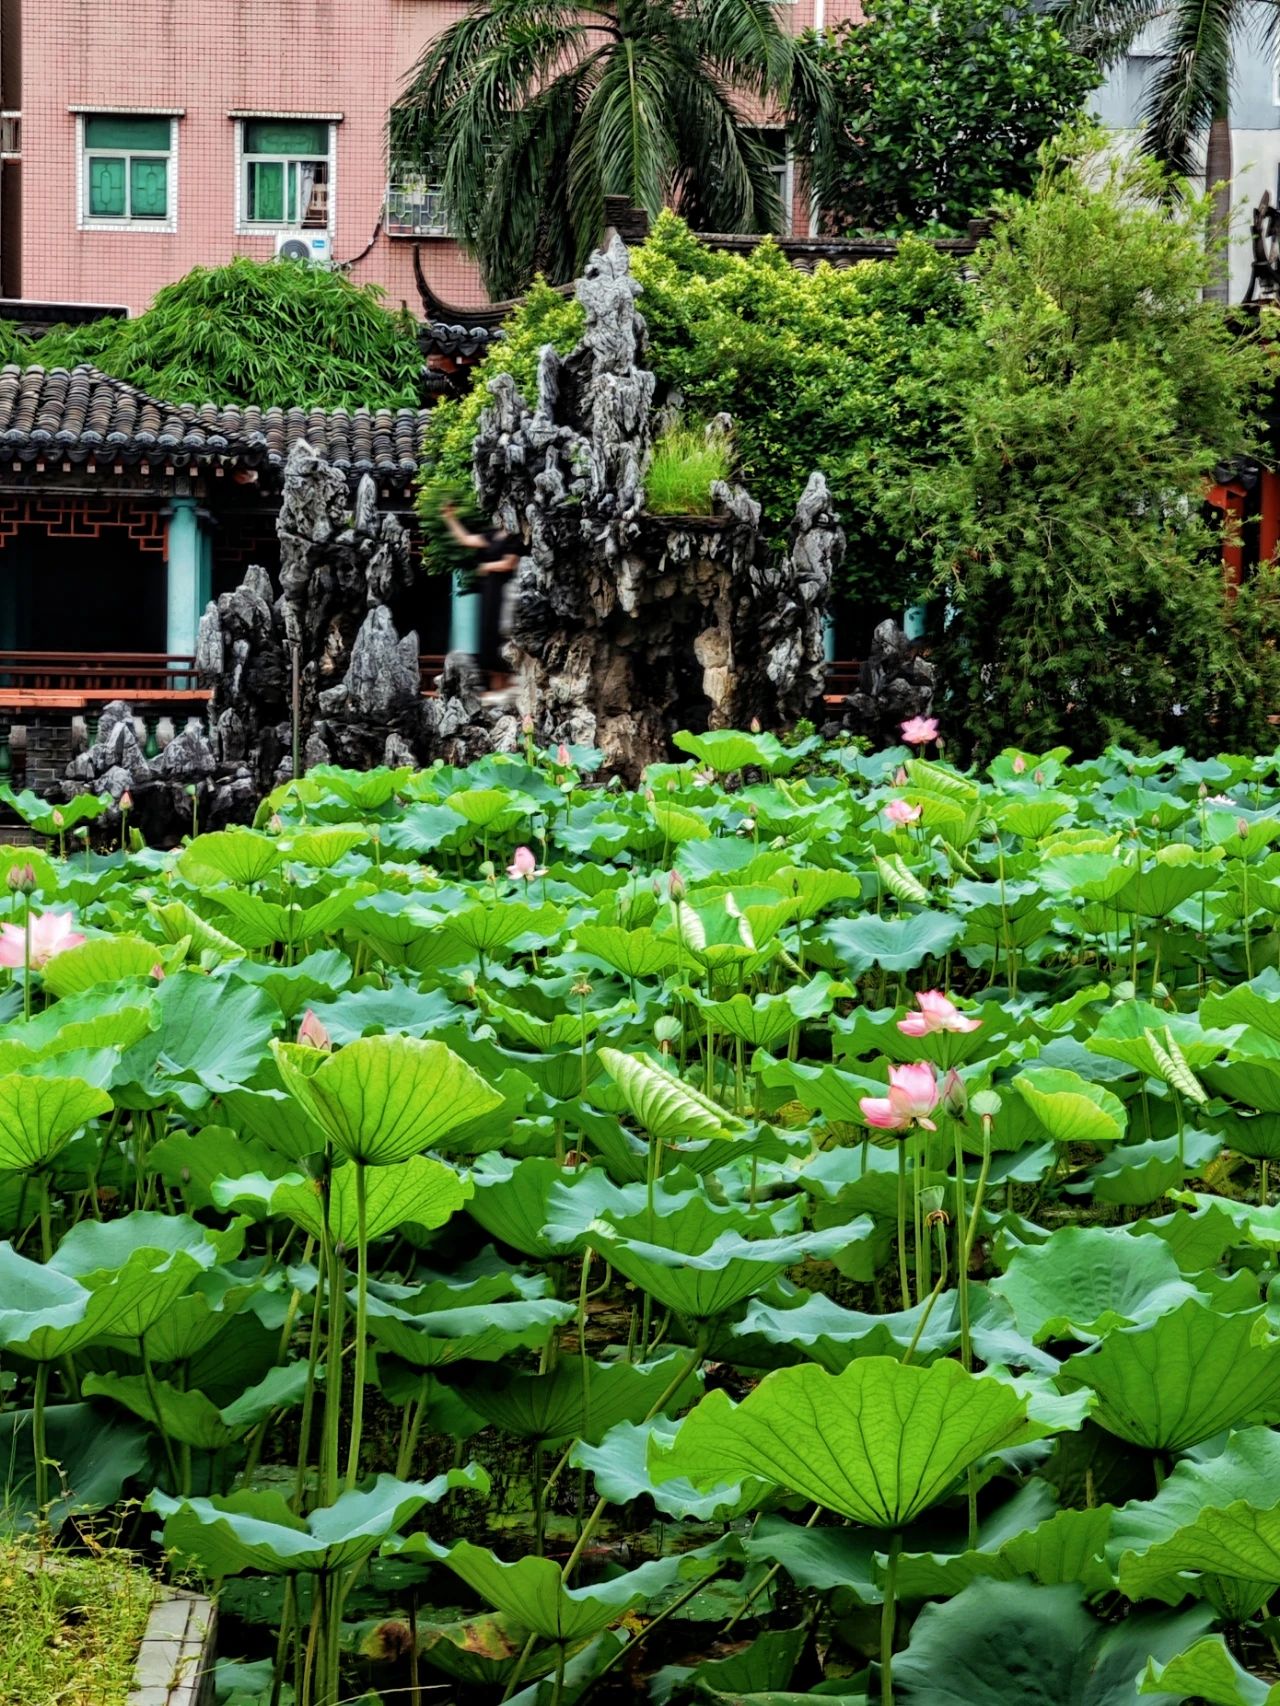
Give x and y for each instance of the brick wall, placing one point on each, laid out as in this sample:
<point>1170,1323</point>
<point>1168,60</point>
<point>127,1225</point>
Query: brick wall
<point>257,56</point>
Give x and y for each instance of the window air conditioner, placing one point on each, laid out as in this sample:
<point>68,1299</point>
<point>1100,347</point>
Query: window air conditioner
<point>313,246</point>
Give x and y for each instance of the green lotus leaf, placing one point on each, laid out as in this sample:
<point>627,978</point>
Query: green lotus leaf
<point>635,953</point>
<point>578,1399</point>
<point>97,1452</point>
<point>479,1650</point>
<point>877,1444</point>
<point>433,1338</point>
<point>276,1119</point>
<point>817,1559</point>
<point>212,1037</point>
<point>419,1190</point>
<point>190,1417</point>
<point>619,1464</point>
<point>814,890</point>
<point>1251,1079</point>
<point>258,1531</point>
<point>757,1675</point>
<point>1134,1173</point>
<point>1017,1644</point>
<point>897,944</point>
<point>512,1201</point>
<point>327,846</point>
<point>38,1116</point>
<point>94,1248</point>
<point>1236,1540</point>
<point>258,923</point>
<point>1070,1108</point>
<point>194,1320</point>
<point>1210,1672</point>
<point>532,1592</point>
<point>364,791</point>
<point>1180,1379</point>
<point>1121,1034</point>
<point>180,922</point>
<point>761,1023</point>
<point>669,1109</point>
<point>383,1099</point>
<point>81,1022</point>
<point>569,1029</point>
<point>1244,1471</point>
<point>1093,877</point>
<point>398,1006</point>
<point>1255,1004</point>
<point>48,819</point>
<point>316,978</point>
<point>44,1313</point>
<point>1174,875</point>
<point>104,959</point>
<point>1084,1281</point>
<point>677,824</point>
<point>229,856</point>
<point>191,1161</point>
<point>483,929</point>
<point>482,808</point>
<point>726,750</point>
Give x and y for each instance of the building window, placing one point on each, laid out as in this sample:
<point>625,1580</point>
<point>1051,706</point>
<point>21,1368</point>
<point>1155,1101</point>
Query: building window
<point>127,161</point>
<point>773,144</point>
<point>415,202</point>
<point>285,173</point>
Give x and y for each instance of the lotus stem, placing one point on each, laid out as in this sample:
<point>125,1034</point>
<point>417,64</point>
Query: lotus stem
<point>933,1295</point>
<point>26,961</point>
<point>333,1373</point>
<point>39,1449</point>
<point>904,1280</point>
<point>888,1619</point>
<point>962,1265</point>
<point>362,1322</point>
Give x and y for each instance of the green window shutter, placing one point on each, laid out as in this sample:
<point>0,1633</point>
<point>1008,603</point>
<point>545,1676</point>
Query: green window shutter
<point>286,136</point>
<point>106,189</point>
<point>122,132</point>
<point>148,188</point>
<point>266,191</point>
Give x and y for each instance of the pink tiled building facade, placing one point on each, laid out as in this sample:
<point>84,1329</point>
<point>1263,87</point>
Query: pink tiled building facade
<point>143,140</point>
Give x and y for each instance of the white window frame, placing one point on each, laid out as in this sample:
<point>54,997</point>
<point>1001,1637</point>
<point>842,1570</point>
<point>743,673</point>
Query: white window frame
<point>246,227</point>
<point>786,172</point>
<point>85,221</point>
<point>401,183</point>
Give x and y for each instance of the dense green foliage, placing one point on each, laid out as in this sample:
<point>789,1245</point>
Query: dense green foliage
<point>687,461</point>
<point>530,112</point>
<point>939,105</point>
<point>281,335</point>
<point>818,370</point>
<point>1085,407</point>
<point>72,1623</point>
<point>803,1231</point>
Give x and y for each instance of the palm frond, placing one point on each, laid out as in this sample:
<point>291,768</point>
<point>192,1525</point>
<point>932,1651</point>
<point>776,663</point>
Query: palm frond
<point>726,179</point>
<point>1105,30</point>
<point>745,42</point>
<point>1192,80</point>
<point>624,142</point>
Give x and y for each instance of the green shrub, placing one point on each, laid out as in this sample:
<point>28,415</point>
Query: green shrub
<point>686,463</point>
<point>276,334</point>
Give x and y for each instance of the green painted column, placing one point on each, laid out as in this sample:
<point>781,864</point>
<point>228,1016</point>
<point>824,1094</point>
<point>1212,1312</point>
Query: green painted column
<point>829,636</point>
<point>464,619</point>
<point>189,580</point>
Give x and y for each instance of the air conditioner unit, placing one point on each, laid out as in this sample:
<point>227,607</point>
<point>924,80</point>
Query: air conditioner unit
<point>313,246</point>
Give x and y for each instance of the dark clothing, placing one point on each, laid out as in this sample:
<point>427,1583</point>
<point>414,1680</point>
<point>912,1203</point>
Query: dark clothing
<point>493,588</point>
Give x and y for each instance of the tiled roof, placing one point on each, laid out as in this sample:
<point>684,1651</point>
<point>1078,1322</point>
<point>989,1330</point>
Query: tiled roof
<point>83,416</point>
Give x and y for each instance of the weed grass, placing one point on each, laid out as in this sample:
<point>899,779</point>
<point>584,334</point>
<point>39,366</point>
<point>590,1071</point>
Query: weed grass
<point>72,1624</point>
<point>687,460</point>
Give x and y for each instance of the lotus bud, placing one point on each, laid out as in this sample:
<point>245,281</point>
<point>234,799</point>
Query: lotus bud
<point>526,726</point>
<point>276,826</point>
<point>649,795</point>
<point>672,784</point>
<point>58,819</point>
<point>675,886</point>
<point>126,801</point>
<point>185,1175</point>
<point>1242,828</point>
<point>488,871</point>
<point>986,1104</point>
<point>312,1034</point>
<point>656,885</point>
<point>562,756</point>
<point>190,790</point>
<point>22,879</point>
<point>1019,765</point>
<point>931,1199</point>
<point>1202,791</point>
<point>955,1098</point>
<point>755,725</point>
<point>157,972</point>
<point>900,777</point>
<point>1038,778</point>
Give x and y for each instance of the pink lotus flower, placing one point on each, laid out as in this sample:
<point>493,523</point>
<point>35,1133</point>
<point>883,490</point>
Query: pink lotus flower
<point>524,866</point>
<point>955,1098</point>
<point>51,934</point>
<point>900,777</point>
<point>563,758</point>
<point>126,801</point>
<point>157,972</point>
<point>1019,765</point>
<point>312,1034</point>
<point>675,886</point>
<point>937,1013</point>
<point>900,811</point>
<point>919,731</point>
<point>913,1095</point>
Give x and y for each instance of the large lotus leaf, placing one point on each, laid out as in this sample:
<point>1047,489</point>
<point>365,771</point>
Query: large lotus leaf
<point>191,1162</point>
<point>44,1314</point>
<point>1084,1281</point>
<point>567,1028</point>
<point>635,953</point>
<point>761,1023</point>
<point>483,929</point>
<point>237,855</point>
<point>727,750</point>
<point>1180,1379</point>
<point>399,1006</point>
<point>190,1417</point>
<point>670,1110</point>
<point>435,1337</point>
<point>105,959</point>
<point>1016,1644</point>
<point>532,1592</point>
<point>1197,1238</point>
<point>1256,1004</point>
<point>96,1452</point>
<point>95,1249</point>
<point>1246,1470</point>
<point>578,1399</point>
<point>212,1037</point>
<point>512,1201</point>
<point>39,1115</point>
<point>703,1283</point>
<point>1236,1540</point>
<point>877,1444</point>
<point>1253,1079</point>
<point>897,944</point>
<point>819,1558</point>
<point>1070,1108</point>
<point>258,1531</point>
<point>1092,876</point>
<point>1209,1672</point>
<point>420,1190</point>
<point>179,922</point>
<point>327,846</point>
<point>312,980</point>
<point>364,791</point>
<point>1134,1173</point>
<point>481,1650</point>
<point>80,1022</point>
<point>619,1464</point>
<point>1174,875</point>
<point>275,1118</point>
<point>1121,1034</point>
<point>814,890</point>
<point>258,923</point>
<point>196,1318</point>
<point>1260,1226</point>
<point>834,1336</point>
<point>382,1099</point>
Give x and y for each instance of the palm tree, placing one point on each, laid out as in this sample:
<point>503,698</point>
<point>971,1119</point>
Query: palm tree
<point>1190,93</point>
<point>530,112</point>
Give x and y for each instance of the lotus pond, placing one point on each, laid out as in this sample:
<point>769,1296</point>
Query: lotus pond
<point>800,1230</point>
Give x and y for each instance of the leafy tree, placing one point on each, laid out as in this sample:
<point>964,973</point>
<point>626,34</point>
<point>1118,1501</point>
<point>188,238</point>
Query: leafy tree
<point>279,334</point>
<point>534,110</point>
<point>940,104</point>
<point>1190,94</point>
<point>1086,406</point>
